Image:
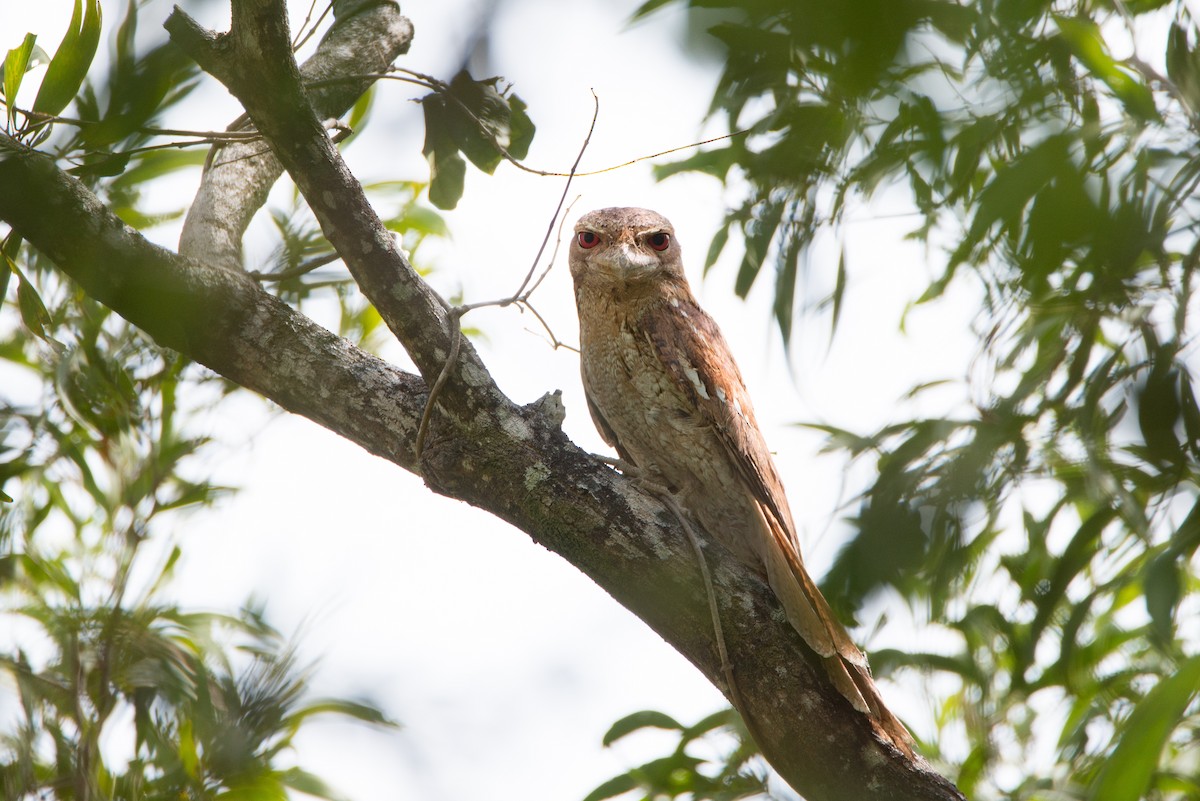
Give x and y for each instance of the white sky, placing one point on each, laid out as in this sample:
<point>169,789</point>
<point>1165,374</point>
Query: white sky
<point>505,664</point>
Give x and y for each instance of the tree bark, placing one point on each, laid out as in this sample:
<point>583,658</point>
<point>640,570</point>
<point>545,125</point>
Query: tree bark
<point>510,460</point>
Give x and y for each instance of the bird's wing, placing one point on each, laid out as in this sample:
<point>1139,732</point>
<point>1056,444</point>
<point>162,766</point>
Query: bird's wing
<point>606,431</point>
<point>696,356</point>
<point>694,353</point>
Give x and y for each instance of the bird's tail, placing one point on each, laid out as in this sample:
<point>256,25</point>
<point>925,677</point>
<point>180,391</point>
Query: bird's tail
<point>810,614</point>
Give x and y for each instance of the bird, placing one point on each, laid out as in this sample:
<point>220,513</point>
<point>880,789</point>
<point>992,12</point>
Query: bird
<point>664,391</point>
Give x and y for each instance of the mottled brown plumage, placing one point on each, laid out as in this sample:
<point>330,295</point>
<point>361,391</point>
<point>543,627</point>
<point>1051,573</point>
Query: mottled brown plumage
<point>665,392</point>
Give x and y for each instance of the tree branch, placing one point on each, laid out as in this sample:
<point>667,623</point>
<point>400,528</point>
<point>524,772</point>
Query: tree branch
<point>512,461</point>
<point>254,60</point>
<point>515,463</point>
<point>240,176</point>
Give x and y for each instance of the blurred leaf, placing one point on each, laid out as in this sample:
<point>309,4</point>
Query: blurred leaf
<point>33,311</point>
<point>17,62</point>
<point>615,786</point>
<point>6,271</point>
<point>102,165</point>
<point>71,60</point>
<point>361,109</point>
<point>720,238</point>
<point>155,164</point>
<point>1163,590</point>
<point>1084,37</point>
<point>447,174</point>
<point>640,720</point>
<point>521,128</point>
<point>1127,774</point>
<point>355,710</point>
<point>476,119</point>
<point>649,7</point>
<point>305,782</point>
<point>759,231</point>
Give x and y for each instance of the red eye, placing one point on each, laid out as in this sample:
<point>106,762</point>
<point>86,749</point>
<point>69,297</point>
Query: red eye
<point>659,241</point>
<point>588,240</point>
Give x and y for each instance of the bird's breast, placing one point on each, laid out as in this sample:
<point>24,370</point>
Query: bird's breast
<point>652,418</point>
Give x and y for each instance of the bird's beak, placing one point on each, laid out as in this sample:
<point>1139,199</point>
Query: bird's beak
<point>627,260</point>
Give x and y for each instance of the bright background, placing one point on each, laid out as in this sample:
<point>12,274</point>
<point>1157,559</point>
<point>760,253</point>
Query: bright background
<point>504,664</point>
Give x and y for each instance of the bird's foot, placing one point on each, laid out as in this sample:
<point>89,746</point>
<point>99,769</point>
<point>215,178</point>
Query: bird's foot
<point>640,477</point>
<point>617,463</point>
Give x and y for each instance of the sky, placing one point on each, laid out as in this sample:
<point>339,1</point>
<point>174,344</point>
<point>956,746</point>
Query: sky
<point>504,664</point>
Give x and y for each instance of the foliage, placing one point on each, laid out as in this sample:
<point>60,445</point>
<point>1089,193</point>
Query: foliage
<point>682,774</point>
<point>118,691</point>
<point>476,119</point>
<point>1049,532</point>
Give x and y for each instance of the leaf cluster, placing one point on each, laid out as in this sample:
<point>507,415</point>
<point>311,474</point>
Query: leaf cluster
<point>480,119</point>
<point>120,692</point>
<point>1047,528</point>
<point>732,775</point>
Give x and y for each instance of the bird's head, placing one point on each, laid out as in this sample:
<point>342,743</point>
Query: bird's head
<point>625,247</point>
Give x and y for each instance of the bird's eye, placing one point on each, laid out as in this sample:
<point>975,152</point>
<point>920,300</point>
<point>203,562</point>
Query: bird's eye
<point>588,240</point>
<point>659,241</point>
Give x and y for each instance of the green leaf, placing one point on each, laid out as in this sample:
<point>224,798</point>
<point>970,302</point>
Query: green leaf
<point>615,786</point>
<point>104,165</point>
<point>759,232</point>
<point>838,295</point>
<point>718,719</point>
<point>1007,195</point>
<point>307,783</point>
<point>648,8</point>
<point>521,128</point>
<point>447,170</point>
<point>447,173</point>
<point>1128,773</point>
<point>1084,38</point>
<point>5,497</point>
<point>648,718</point>
<point>1162,587</point>
<point>785,287</point>
<point>361,109</point>
<point>478,119</point>
<point>33,311</point>
<point>16,64</point>
<point>720,238</point>
<point>71,60</point>
<point>363,712</point>
<point>157,163</point>
<point>6,272</point>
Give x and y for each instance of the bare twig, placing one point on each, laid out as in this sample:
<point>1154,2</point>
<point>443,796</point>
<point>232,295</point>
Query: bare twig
<point>452,322</point>
<point>303,35</point>
<point>669,501</point>
<point>520,297</point>
<point>441,87</point>
<point>299,270</point>
<point>226,136</point>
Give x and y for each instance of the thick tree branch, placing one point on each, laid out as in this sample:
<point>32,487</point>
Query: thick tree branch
<point>515,463</point>
<point>254,60</point>
<point>512,461</point>
<point>238,180</point>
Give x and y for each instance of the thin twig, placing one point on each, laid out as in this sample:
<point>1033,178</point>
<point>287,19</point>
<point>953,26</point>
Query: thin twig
<point>441,87</point>
<point>452,322</point>
<point>667,499</point>
<point>735,695</point>
<point>554,253</point>
<point>303,36</point>
<point>521,295</point>
<point>232,136</point>
<point>300,269</point>
<point>455,315</point>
